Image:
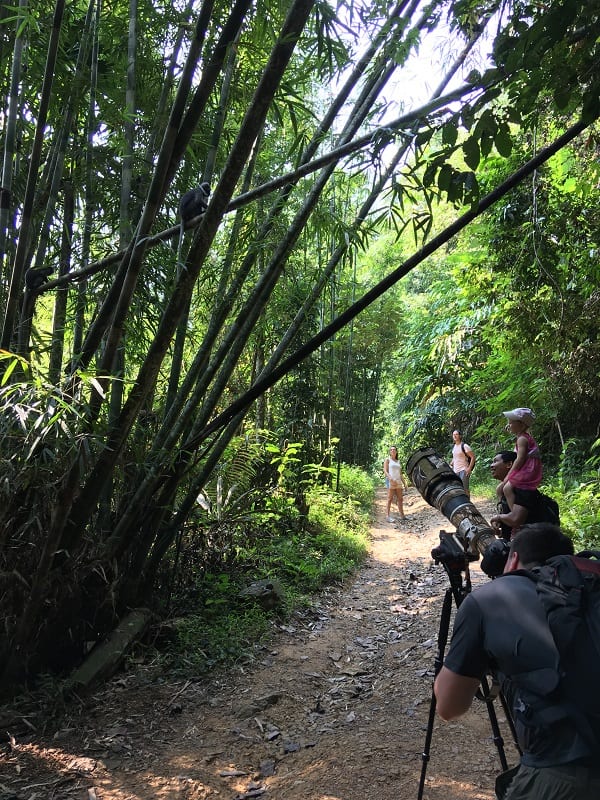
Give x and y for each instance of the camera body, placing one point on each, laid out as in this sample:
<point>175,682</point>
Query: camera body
<point>439,486</point>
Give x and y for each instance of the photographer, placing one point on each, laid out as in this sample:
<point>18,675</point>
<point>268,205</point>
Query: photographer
<point>502,627</point>
<point>530,504</point>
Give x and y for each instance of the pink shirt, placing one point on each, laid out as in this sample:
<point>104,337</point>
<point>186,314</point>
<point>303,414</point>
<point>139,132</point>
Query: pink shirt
<point>459,459</point>
<point>529,476</point>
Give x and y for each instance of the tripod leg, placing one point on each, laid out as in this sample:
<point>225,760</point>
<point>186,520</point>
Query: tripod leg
<point>498,740</point>
<point>442,639</point>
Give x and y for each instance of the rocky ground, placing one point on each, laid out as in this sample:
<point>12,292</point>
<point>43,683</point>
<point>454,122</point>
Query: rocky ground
<point>336,707</point>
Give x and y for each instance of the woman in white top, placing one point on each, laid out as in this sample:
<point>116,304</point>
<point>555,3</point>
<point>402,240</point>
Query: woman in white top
<point>393,472</point>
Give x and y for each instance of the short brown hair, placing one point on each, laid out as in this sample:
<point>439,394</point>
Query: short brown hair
<point>538,542</point>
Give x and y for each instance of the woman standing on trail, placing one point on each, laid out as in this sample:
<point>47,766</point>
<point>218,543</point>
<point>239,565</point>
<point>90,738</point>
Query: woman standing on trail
<point>393,472</point>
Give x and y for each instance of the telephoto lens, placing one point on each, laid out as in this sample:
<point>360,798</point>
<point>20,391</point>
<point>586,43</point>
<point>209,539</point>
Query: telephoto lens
<point>439,486</point>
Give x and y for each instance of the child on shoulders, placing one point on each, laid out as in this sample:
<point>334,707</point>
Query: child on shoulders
<point>526,472</point>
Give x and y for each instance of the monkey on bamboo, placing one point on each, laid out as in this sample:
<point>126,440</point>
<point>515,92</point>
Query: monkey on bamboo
<point>192,204</point>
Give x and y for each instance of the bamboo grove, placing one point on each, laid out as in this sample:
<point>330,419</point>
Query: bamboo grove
<point>129,370</point>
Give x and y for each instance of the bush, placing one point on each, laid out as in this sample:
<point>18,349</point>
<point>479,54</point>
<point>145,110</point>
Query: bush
<point>216,626</point>
<point>573,463</point>
<point>580,509</point>
<point>357,485</point>
<point>221,639</point>
<point>580,515</point>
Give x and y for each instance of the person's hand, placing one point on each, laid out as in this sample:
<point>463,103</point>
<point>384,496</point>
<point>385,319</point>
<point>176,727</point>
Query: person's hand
<point>495,522</point>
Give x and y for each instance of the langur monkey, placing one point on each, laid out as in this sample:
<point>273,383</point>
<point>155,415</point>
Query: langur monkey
<point>192,204</point>
<point>36,278</point>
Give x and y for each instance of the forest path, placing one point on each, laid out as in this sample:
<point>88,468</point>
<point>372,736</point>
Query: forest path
<point>334,708</point>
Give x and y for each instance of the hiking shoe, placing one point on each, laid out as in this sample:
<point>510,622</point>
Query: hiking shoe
<point>390,519</point>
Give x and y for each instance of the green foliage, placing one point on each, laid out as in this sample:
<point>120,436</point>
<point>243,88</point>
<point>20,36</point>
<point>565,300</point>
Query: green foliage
<point>287,463</point>
<point>220,627</point>
<point>580,514</point>
<point>340,539</point>
<point>230,492</point>
<point>572,463</point>
<point>580,507</point>
<point>543,62</point>
<point>357,485</point>
<point>204,642</point>
<point>503,316</point>
<point>39,428</point>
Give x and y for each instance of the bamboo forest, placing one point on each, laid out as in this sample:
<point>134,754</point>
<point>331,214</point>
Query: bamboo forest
<point>397,233</point>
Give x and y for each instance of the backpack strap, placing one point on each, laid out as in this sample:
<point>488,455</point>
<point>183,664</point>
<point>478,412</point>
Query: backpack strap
<point>556,712</point>
<point>588,561</point>
<point>467,456</point>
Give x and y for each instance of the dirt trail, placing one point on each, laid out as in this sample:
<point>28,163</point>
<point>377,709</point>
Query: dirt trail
<point>335,708</point>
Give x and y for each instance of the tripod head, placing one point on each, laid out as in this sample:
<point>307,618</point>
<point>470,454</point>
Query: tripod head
<point>453,554</point>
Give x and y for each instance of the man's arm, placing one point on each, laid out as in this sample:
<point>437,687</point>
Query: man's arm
<point>514,519</point>
<point>454,693</point>
<point>466,660</point>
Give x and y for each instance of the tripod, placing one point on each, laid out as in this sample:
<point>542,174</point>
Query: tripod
<point>459,590</point>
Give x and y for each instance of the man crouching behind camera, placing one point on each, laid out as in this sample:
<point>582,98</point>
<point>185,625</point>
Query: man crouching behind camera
<point>502,627</point>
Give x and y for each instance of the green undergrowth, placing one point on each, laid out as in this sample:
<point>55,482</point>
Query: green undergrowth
<point>578,494</point>
<point>214,626</point>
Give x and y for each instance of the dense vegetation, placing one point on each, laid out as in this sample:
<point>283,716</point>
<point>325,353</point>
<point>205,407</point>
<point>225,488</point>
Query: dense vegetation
<point>156,402</point>
<point>222,605</point>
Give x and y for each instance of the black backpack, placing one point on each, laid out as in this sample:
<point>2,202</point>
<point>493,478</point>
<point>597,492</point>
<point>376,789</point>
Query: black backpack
<point>548,508</point>
<point>569,589</point>
<point>467,456</point>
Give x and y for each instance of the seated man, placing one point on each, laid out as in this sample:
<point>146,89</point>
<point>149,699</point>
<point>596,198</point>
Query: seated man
<point>530,505</point>
<point>502,626</point>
